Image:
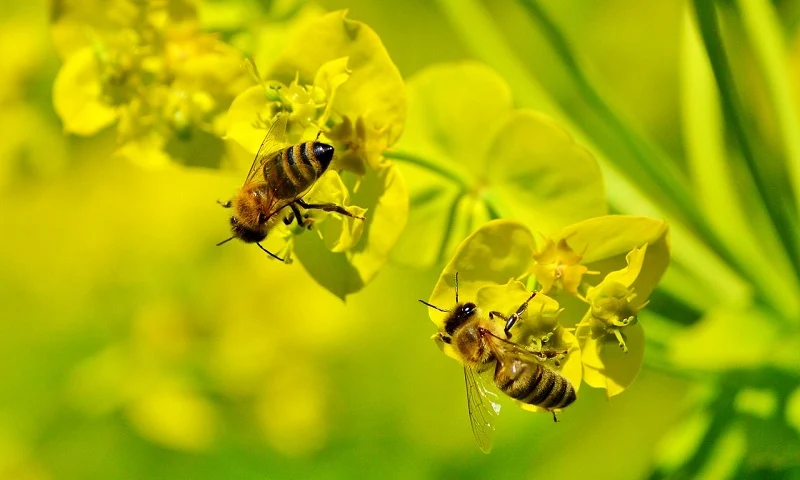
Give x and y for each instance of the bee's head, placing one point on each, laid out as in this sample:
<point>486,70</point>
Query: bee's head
<point>462,313</point>
<point>456,317</point>
<point>323,153</point>
<point>246,234</point>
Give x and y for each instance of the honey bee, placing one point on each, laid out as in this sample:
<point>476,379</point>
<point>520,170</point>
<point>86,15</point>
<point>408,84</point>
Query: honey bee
<point>280,176</point>
<point>518,372</point>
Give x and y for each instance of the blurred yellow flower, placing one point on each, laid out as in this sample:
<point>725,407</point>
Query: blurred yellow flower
<point>149,68</point>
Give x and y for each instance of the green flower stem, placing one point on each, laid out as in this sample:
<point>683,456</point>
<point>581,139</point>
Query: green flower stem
<point>496,207</point>
<point>451,223</point>
<point>734,116</point>
<point>762,26</point>
<point>452,174</point>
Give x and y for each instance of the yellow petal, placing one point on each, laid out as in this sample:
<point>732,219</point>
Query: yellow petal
<point>495,253</point>
<point>383,195</point>
<point>77,95</point>
<point>604,363</point>
<point>375,87</point>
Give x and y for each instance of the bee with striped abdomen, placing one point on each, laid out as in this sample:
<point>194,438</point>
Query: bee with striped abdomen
<point>517,372</point>
<point>280,176</point>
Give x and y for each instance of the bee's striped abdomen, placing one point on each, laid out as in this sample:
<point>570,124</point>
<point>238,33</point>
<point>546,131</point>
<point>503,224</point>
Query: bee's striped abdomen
<point>296,168</point>
<point>535,385</point>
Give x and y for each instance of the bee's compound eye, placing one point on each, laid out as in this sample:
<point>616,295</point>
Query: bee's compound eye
<point>233,221</point>
<point>324,153</point>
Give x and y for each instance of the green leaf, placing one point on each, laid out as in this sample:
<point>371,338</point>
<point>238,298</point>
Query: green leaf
<point>727,338</point>
<point>680,444</point>
<point>77,95</point>
<point>793,410</point>
<point>765,31</point>
<point>495,253</point>
<point>495,162</point>
<point>718,189</point>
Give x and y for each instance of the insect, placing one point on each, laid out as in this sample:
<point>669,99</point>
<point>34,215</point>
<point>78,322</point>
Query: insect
<point>518,372</point>
<point>280,176</point>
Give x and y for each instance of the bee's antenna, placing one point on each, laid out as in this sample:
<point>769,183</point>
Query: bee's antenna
<point>225,241</point>
<point>456,287</point>
<point>270,253</point>
<point>434,306</point>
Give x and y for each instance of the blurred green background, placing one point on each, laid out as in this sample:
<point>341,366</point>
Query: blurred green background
<point>132,347</point>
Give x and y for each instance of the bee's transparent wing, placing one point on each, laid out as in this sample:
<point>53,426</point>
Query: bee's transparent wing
<point>273,142</point>
<point>483,408</point>
<point>503,348</point>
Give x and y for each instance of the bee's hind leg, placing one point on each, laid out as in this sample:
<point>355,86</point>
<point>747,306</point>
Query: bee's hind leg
<point>555,418</point>
<point>328,207</point>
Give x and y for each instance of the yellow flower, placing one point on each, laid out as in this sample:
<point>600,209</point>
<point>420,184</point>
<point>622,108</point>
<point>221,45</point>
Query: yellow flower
<point>335,79</point>
<point>558,266</point>
<point>612,306</point>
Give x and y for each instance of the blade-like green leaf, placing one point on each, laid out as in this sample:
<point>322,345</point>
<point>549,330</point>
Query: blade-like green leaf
<point>757,250</point>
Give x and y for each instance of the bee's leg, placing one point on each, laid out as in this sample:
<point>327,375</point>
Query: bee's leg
<point>328,207</point>
<point>288,219</point>
<point>515,316</point>
<point>226,204</point>
<point>297,215</point>
<point>555,418</point>
<point>495,313</point>
<point>270,253</point>
<point>549,354</point>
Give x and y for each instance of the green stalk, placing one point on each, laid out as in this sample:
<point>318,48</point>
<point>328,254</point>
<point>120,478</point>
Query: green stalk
<point>449,173</point>
<point>757,249</point>
<point>734,116</point>
<point>764,30</point>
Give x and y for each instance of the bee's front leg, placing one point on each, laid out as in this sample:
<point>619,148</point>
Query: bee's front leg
<point>515,316</point>
<point>226,204</point>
